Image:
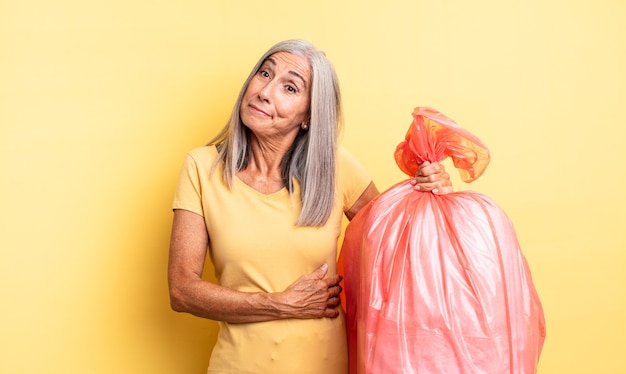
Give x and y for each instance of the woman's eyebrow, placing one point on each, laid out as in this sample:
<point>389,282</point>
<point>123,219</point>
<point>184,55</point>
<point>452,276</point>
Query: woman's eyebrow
<point>295,73</point>
<point>292,72</point>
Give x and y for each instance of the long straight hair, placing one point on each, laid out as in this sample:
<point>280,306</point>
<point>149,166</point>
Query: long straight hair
<point>312,157</point>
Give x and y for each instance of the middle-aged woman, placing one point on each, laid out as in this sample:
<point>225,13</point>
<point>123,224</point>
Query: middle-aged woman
<point>265,198</point>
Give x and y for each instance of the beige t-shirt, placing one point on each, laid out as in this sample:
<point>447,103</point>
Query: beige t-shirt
<point>254,247</point>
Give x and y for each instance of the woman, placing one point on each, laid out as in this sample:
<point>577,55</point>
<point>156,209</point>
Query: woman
<point>266,197</point>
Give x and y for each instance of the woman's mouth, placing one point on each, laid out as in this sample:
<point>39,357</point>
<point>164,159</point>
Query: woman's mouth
<point>259,111</point>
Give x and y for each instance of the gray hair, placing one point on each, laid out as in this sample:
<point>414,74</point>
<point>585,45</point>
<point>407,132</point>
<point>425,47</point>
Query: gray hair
<point>311,158</point>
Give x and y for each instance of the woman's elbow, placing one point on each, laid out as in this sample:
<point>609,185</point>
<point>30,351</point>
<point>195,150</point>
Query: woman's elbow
<point>177,298</point>
<point>177,305</point>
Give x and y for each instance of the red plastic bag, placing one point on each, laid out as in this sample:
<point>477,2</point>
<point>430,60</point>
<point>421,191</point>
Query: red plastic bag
<point>438,283</point>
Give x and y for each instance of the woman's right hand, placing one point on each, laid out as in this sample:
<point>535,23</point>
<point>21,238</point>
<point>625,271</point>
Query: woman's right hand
<point>312,296</point>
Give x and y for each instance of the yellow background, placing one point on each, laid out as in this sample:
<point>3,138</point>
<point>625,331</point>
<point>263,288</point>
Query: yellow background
<point>99,101</point>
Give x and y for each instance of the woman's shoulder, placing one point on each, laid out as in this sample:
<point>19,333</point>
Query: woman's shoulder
<point>203,154</point>
<point>348,167</point>
<point>352,177</point>
<point>346,159</point>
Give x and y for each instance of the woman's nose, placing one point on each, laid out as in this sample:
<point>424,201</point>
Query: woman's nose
<point>265,93</point>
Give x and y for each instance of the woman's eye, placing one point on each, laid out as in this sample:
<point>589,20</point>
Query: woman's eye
<point>291,89</point>
<point>264,73</point>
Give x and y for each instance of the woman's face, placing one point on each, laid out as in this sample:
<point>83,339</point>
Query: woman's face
<point>277,99</point>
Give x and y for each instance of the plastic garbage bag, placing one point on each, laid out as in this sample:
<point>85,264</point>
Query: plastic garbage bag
<point>438,283</point>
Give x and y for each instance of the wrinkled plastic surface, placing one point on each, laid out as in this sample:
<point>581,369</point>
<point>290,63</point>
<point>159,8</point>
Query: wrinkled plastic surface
<point>438,283</point>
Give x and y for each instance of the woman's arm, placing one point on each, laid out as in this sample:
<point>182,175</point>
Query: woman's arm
<point>311,296</point>
<point>369,194</point>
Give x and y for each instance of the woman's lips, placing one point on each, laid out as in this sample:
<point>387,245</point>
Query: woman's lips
<point>256,109</point>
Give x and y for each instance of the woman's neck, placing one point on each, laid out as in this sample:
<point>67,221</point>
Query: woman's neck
<point>264,169</point>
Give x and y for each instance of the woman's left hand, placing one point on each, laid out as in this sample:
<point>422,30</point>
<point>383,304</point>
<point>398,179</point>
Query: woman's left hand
<point>432,177</point>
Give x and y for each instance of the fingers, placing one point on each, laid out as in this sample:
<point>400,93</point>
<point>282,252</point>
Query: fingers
<point>332,292</point>
<point>331,313</point>
<point>443,190</point>
<point>333,302</point>
<point>319,276</point>
<point>321,271</point>
<point>429,170</point>
<point>314,295</point>
<point>432,177</point>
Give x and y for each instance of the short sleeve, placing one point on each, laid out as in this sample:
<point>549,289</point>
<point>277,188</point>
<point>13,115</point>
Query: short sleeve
<point>188,192</point>
<point>352,178</point>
